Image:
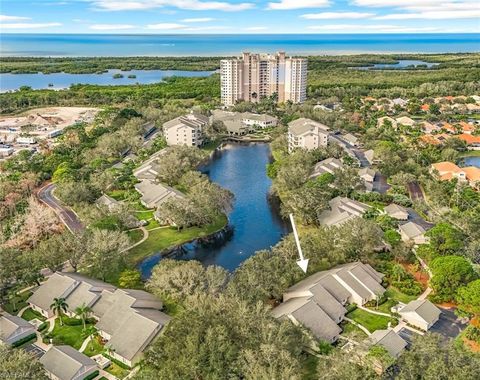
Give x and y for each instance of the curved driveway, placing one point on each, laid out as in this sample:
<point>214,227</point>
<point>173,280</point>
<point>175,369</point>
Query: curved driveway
<point>66,215</point>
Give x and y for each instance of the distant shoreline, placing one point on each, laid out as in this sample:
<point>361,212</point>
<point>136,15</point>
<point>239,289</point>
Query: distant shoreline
<point>215,45</point>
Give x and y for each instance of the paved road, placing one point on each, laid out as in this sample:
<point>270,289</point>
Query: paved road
<point>354,152</point>
<point>66,215</point>
<point>415,191</point>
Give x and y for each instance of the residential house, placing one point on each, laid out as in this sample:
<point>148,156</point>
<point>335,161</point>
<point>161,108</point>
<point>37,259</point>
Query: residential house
<point>321,107</point>
<point>241,123</point>
<point>429,127</point>
<point>466,128</point>
<point>473,108</point>
<point>154,194</point>
<point>261,121</point>
<point>425,107</point>
<point>13,329</point>
<point>449,128</point>
<point>328,165</point>
<point>235,127</point>
<point>400,102</point>
<point>108,203</point>
<point>446,171</point>
<point>414,232</point>
<point>6,151</point>
<point>367,175</point>
<point>389,340</point>
<point>149,168</point>
<point>74,288</point>
<point>473,142</point>
<point>26,140</point>
<point>186,130</point>
<point>381,121</point>
<point>437,139</point>
<point>396,212</point>
<point>318,302</point>
<point>342,210</point>
<point>351,139</point>
<point>66,363</point>
<point>406,121</point>
<point>420,313</point>
<point>128,319</point>
<point>306,134</point>
<point>371,157</point>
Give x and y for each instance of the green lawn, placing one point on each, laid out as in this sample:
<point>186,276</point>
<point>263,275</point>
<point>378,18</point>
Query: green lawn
<point>470,153</point>
<point>117,371</point>
<point>17,303</point>
<point>144,214</point>
<point>94,347</point>
<point>385,307</point>
<point>30,314</point>
<point>70,335</point>
<point>163,238</point>
<point>370,321</point>
<point>397,295</point>
<point>352,331</point>
<point>152,224</point>
<point>135,235</point>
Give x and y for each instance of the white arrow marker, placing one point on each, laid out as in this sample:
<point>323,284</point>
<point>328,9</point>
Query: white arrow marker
<point>302,263</point>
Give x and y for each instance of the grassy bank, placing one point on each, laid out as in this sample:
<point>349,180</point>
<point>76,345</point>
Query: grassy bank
<point>166,237</point>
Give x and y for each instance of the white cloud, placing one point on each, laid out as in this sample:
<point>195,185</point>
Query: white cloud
<point>28,25</point>
<point>336,15</point>
<point>196,5</point>
<point>348,28</point>
<point>198,19</point>
<point>111,26</point>
<point>176,27</point>
<point>13,18</point>
<point>256,28</point>
<point>432,15</point>
<point>166,26</point>
<point>298,4</point>
<point>393,3</point>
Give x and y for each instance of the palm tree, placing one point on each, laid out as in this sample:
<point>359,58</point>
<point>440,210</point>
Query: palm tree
<point>59,306</point>
<point>83,312</point>
<point>90,332</point>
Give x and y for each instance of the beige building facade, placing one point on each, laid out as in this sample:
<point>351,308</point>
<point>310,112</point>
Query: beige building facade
<point>186,130</point>
<point>307,134</point>
<point>255,76</point>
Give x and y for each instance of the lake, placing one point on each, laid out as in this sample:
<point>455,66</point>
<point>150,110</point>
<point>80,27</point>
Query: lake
<point>255,220</point>
<point>88,45</point>
<point>401,64</point>
<point>472,161</point>
<point>64,80</point>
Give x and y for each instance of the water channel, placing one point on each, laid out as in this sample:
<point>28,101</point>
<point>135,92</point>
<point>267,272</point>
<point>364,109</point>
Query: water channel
<point>255,220</point>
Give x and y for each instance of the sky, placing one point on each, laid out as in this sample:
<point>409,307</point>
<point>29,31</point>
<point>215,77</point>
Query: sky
<point>239,16</point>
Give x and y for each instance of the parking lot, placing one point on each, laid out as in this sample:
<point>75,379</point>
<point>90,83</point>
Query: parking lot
<point>448,325</point>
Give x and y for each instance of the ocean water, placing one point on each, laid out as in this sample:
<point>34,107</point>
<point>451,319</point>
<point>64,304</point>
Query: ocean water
<point>230,44</point>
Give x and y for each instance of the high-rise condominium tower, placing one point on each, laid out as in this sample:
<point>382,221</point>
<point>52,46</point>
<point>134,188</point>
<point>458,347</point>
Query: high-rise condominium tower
<point>254,76</point>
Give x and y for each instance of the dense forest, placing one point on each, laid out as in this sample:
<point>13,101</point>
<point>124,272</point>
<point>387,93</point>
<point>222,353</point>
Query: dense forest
<point>84,65</point>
